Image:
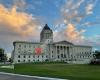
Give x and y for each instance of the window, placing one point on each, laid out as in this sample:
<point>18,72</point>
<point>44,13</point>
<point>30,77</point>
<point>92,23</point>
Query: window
<point>28,60</point>
<point>23,60</point>
<point>29,46</point>
<point>64,56</point>
<point>61,47</point>
<point>24,56</point>
<point>64,47</point>
<point>46,56</point>
<point>61,55</point>
<point>57,46</point>
<point>19,45</point>
<point>29,56</point>
<point>58,56</point>
<point>18,60</point>
<point>37,56</point>
<point>18,56</point>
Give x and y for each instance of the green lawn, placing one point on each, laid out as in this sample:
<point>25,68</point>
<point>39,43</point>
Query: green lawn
<point>60,70</point>
<point>6,69</point>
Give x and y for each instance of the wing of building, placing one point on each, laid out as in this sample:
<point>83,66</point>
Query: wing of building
<point>47,50</point>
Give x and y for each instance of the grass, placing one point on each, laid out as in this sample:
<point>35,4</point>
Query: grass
<point>59,70</point>
<point>6,69</point>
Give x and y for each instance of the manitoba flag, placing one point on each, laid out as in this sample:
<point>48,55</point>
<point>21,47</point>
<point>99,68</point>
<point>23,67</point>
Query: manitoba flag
<point>38,51</point>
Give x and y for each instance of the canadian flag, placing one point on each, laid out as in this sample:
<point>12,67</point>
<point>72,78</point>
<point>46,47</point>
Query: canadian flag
<point>38,51</point>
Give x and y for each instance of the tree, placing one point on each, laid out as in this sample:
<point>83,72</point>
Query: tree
<point>97,54</point>
<point>3,57</point>
<point>10,60</point>
<point>96,59</point>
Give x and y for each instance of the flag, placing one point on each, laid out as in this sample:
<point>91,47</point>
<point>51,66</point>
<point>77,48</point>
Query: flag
<point>38,51</point>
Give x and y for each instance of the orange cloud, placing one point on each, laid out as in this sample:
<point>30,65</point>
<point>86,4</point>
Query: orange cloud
<point>19,22</point>
<point>72,34</point>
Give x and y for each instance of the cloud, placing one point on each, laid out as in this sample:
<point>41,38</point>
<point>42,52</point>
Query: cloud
<point>70,10</point>
<point>93,41</point>
<point>17,25</point>
<point>70,33</point>
<point>73,16</point>
<point>89,9</point>
<point>89,24</point>
<point>19,22</point>
<point>73,13</point>
<point>20,3</point>
<point>58,36</point>
<point>74,35</point>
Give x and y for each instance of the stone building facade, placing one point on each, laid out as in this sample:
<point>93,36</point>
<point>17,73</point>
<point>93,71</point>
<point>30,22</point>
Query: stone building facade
<point>47,50</point>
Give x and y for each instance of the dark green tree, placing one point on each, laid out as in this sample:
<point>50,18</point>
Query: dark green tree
<point>3,57</point>
<point>97,54</point>
<point>10,60</point>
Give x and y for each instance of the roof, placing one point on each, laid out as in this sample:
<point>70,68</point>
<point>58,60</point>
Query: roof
<point>26,42</point>
<point>46,27</point>
<point>64,42</point>
<point>83,46</point>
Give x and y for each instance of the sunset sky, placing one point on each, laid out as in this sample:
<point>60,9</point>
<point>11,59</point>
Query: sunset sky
<point>77,21</point>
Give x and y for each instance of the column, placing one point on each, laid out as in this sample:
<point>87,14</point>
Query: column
<point>63,53</point>
<point>56,54</point>
<point>66,52</point>
<point>60,52</point>
<point>70,53</point>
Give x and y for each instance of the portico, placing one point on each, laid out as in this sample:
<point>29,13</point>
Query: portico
<point>63,52</point>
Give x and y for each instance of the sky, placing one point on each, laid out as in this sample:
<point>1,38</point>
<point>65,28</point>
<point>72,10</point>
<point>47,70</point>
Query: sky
<point>77,21</point>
